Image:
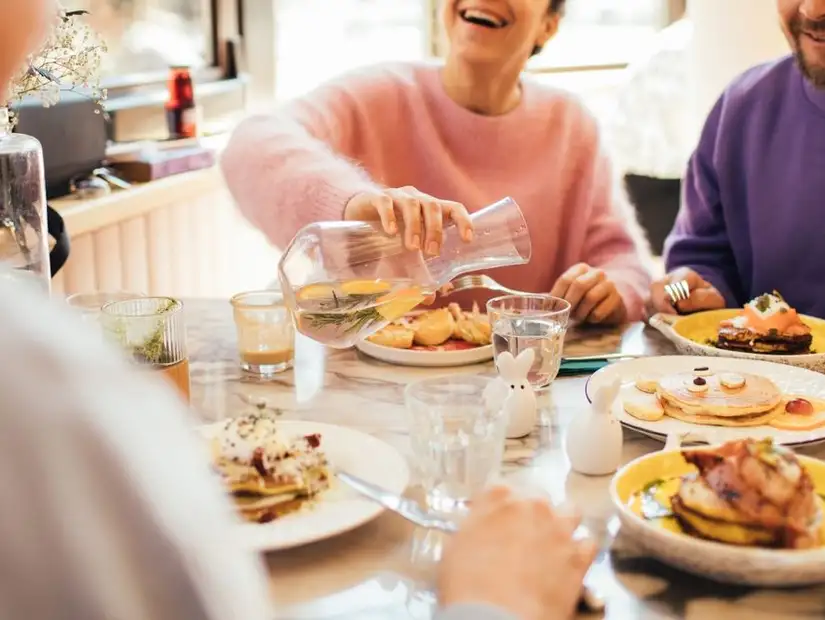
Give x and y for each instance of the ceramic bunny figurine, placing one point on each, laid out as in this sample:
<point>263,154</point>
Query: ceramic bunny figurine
<point>515,393</point>
<point>594,438</point>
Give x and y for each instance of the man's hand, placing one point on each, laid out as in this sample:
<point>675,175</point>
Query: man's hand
<point>517,555</point>
<point>423,216</point>
<point>703,296</point>
<point>593,297</point>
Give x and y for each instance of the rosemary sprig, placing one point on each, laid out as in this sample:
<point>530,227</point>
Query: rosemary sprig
<point>352,301</point>
<point>153,350</point>
<point>352,321</point>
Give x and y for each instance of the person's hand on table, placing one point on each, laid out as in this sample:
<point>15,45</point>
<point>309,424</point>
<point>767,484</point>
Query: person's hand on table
<point>517,555</point>
<point>422,216</point>
<point>593,297</point>
<point>703,296</point>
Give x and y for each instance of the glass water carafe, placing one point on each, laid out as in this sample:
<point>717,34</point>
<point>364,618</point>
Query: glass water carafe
<point>23,227</point>
<point>344,281</point>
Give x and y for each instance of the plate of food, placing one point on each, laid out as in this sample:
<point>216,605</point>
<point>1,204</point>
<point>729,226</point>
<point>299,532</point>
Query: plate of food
<point>280,475</point>
<point>435,338</point>
<point>747,512</point>
<point>719,398</point>
<point>767,328</point>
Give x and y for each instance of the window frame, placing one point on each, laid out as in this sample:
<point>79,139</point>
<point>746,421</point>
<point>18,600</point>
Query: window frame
<point>223,26</point>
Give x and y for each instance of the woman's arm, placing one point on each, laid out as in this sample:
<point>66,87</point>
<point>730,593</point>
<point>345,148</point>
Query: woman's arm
<point>296,166</point>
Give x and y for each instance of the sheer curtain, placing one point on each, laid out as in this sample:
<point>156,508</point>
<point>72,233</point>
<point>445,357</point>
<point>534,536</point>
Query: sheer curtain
<point>318,39</point>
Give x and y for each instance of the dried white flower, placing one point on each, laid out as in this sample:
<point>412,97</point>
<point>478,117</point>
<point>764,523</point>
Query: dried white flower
<point>70,60</point>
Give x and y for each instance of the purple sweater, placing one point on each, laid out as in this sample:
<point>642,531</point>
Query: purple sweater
<point>754,195</point>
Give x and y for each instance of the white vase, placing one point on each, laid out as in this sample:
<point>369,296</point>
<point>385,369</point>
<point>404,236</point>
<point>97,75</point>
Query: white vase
<point>23,227</point>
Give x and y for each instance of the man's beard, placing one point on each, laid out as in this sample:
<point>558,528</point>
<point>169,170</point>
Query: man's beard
<point>813,72</point>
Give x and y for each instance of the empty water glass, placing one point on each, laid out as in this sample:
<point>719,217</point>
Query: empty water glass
<point>537,322</point>
<point>457,439</point>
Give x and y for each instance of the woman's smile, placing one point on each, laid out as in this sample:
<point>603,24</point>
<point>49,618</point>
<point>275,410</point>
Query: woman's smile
<point>483,18</point>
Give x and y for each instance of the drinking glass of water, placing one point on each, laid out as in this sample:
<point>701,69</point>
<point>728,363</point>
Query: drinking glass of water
<point>457,439</point>
<point>537,322</point>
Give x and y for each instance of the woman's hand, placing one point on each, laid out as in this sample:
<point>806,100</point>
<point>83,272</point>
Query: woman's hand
<point>593,297</point>
<point>422,216</point>
<point>517,555</point>
<point>703,296</point>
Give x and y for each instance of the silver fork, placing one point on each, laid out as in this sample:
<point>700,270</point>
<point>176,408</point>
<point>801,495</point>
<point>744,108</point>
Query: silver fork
<point>677,291</point>
<point>466,283</point>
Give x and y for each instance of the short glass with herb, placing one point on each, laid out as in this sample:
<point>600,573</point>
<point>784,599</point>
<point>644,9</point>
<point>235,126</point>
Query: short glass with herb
<point>343,281</point>
<point>152,331</point>
<point>266,337</point>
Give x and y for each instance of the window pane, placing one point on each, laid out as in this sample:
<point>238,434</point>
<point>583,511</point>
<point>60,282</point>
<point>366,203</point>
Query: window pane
<point>150,35</point>
<point>318,39</point>
<point>604,32</point>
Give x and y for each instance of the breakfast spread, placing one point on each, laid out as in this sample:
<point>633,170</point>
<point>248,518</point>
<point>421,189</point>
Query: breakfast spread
<point>745,492</point>
<point>268,474</point>
<point>767,324</point>
<point>443,329</point>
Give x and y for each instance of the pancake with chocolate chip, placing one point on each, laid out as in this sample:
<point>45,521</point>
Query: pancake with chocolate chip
<point>709,394</point>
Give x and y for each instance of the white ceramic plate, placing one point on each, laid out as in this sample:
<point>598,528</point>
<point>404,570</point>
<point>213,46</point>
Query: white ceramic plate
<point>339,509</point>
<point>752,566</point>
<point>428,359</point>
<point>789,379</point>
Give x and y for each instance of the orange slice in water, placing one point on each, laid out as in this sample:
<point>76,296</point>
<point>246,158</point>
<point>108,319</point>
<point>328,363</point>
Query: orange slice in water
<point>398,303</point>
<point>365,287</point>
<point>314,291</point>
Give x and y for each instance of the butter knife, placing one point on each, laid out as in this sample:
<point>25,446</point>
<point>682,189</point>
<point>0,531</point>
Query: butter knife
<point>411,511</point>
<point>407,508</point>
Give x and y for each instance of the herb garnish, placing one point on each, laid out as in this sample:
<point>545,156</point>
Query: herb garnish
<point>154,349</point>
<point>353,312</point>
<point>763,302</point>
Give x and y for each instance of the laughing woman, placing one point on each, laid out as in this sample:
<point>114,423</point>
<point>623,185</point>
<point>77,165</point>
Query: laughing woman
<point>429,142</point>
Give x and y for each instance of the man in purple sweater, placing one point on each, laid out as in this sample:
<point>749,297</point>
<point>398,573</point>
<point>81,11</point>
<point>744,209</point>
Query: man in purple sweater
<point>754,193</point>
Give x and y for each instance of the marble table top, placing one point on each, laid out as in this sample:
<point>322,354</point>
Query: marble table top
<point>384,570</point>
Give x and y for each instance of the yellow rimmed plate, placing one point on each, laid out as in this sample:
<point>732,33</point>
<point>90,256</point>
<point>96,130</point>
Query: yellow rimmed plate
<point>691,333</point>
<point>751,566</point>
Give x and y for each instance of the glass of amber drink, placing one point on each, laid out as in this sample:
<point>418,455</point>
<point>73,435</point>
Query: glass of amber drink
<point>152,332</point>
<point>266,336</point>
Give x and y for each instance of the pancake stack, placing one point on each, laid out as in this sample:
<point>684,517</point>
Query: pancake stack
<point>723,399</point>
<point>267,473</point>
<point>750,493</point>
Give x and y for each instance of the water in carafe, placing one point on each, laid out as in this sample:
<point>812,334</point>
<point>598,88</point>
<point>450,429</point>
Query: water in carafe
<point>343,281</point>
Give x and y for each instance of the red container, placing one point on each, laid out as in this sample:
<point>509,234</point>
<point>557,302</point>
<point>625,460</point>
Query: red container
<point>181,109</point>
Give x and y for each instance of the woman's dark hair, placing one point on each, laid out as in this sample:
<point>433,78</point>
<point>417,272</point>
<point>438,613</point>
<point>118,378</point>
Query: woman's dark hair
<point>556,6</point>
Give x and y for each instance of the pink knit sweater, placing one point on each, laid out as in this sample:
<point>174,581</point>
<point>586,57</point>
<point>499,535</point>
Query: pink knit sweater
<point>394,126</point>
